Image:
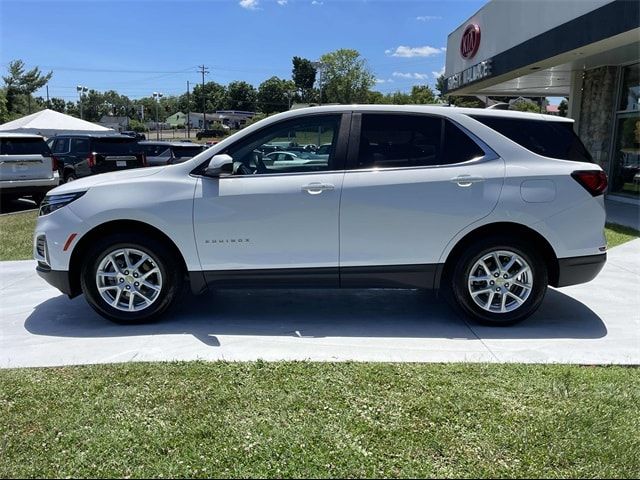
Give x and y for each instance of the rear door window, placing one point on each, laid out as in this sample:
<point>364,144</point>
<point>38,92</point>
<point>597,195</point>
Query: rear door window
<point>80,146</point>
<point>393,141</point>
<point>61,146</point>
<point>547,138</point>
<point>23,146</point>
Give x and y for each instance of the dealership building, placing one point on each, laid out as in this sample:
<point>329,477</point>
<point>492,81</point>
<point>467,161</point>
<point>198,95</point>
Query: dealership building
<point>587,51</point>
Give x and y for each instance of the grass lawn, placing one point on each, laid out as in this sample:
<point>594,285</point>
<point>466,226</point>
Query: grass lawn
<point>16,233</point>
<point>336,420</point>
<point>16,236</point>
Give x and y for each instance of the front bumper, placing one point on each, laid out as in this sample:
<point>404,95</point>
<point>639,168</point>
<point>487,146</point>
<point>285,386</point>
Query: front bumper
<point>56,278</point>
<point>575,270</point>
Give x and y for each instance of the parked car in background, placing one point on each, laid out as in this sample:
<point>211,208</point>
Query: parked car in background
<point>169,153</point>
<point>212,132</point>
<point>26,167</point>
<point>489,206</point>
<point>88,154</point>
<point>136,135</point>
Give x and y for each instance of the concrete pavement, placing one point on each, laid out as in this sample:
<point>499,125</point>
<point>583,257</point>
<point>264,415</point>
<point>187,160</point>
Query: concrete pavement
<point>595,323</point>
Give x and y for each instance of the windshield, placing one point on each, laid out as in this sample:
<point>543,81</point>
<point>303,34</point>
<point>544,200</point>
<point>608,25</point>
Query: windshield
<point>24,146</point>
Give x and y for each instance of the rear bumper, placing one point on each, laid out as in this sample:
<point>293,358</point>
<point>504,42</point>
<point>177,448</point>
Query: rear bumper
<point>26,187</point>
<point>57,278</point>
<point>575,270</point>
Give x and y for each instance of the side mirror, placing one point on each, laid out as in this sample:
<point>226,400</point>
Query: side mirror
<point>219,165</point>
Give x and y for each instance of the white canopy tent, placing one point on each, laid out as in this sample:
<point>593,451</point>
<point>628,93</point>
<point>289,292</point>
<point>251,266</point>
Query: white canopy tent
<point>49,123</point>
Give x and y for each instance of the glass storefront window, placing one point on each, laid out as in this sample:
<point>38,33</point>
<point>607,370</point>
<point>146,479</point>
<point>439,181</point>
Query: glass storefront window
<point>630,88</point>
<point>625,176</point>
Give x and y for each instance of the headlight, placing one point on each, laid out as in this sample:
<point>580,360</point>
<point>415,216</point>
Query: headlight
<point>51,203</point>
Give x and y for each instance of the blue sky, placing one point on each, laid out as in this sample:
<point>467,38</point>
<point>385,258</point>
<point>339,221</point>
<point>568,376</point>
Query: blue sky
<point>139,46</point>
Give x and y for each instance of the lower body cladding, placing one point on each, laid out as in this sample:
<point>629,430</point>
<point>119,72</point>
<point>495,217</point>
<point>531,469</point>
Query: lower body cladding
<point>571,271</point>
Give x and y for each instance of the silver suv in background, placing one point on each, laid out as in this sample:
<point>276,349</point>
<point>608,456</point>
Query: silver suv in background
<point>26,167</point>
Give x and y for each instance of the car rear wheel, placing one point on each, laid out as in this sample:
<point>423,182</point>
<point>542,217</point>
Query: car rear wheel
<point>499,281</point>
<point>131,278</point>
<point>70,177</point>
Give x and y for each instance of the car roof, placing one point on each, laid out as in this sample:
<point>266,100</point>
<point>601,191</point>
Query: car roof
<point>19,135</point>
<point>92,135</point>
<point>437,109</point>
<point>169,144</point>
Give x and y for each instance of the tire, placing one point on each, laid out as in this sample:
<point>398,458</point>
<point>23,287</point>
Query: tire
<point>501,308</point>
<point>70,177</point>
<point>148,304</point>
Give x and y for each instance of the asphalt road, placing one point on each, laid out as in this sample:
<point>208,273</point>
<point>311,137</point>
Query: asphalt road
<point>594,323</point>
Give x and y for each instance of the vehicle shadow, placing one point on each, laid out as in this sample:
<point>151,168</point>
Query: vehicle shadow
<point>317,314</point>
<point>17,205</point>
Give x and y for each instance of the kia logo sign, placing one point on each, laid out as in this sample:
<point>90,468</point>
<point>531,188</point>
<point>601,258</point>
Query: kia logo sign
<point>470,41</point>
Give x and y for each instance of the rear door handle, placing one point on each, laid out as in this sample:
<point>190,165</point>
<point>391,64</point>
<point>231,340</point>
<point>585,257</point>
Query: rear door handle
<point>466,180</point>
<point>316,187</point>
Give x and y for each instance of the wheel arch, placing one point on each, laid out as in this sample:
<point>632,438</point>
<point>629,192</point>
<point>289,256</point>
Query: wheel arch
<point>115,226</point>
<point>507,230</point>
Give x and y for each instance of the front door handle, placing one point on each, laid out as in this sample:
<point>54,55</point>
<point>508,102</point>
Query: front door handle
<point>316,187</point>
<point>466,180</point>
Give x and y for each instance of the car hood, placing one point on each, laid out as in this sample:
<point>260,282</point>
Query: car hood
<point>111,177</point>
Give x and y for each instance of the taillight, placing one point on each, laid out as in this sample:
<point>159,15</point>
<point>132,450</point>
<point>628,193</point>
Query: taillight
<point>594,181</point>
<point>54,163</point>
<point>91,160</point>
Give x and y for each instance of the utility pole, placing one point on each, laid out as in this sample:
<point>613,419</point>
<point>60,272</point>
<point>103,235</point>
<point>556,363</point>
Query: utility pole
<point>48,102</point>
<point>188,112</point>
<point>204,70</point>
<point>157,96</point>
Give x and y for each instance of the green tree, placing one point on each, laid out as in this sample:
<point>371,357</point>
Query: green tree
<point>274,95</point>
<point>422,94</point>
<point>376,97</point>
<point>441,84</point>
<point>241,96</point>
<point>304,77</point>
<point>346,78</point>
<point>4,112</point>
<point>525,105</point>
<point>21,83</point>
<point>215,98</point>
<point>58,104</point>
<point>563,107</point>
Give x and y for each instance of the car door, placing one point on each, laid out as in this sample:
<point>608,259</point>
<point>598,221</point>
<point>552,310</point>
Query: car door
<point>412,183</point>
<point>277,224</point>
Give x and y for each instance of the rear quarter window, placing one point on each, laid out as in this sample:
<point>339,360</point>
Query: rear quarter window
<point>24,146</point>
<point>547,138</point>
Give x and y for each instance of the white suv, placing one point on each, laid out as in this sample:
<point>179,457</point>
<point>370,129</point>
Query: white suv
<point>26,167</point>
<point>491,206</point>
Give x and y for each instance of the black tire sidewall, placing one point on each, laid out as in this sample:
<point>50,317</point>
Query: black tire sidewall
<point>170,270</point>
<point>462,296</point>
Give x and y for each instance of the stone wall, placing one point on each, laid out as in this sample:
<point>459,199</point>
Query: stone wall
<point>596,112</point>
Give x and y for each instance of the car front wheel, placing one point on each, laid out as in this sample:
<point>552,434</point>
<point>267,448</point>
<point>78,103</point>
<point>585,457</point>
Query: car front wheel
<point>499,281</point>
<point>131,279</point>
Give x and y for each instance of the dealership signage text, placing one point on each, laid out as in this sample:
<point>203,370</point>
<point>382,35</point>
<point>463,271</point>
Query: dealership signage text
<point>472,74</point>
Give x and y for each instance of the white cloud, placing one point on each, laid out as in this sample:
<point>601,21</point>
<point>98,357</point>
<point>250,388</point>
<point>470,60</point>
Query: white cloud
<point>437,74</point>
<point>426,18</point>
<point>249,4</point>
<point>408,52</point>
<point>282,2</point>
<point>317,2</point>
<point>411,76</point>
<point>382,80</point>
